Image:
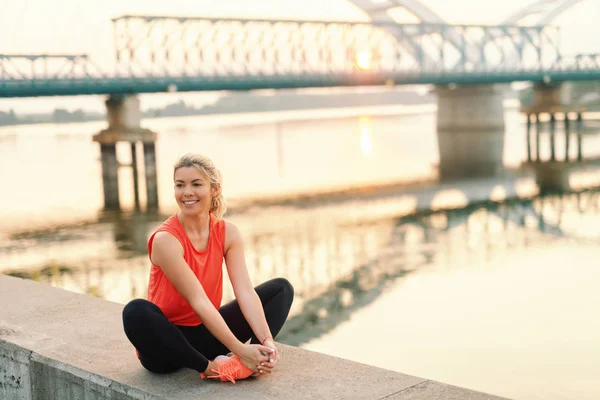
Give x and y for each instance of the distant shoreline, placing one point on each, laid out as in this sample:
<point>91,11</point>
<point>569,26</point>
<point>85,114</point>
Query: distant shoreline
<point>247,106</point>
<point>280,101</point>
<point>238,103</point>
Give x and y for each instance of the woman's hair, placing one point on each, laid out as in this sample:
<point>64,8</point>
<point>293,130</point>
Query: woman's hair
<point>207,167</point>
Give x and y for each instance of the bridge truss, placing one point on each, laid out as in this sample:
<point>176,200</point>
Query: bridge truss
<point>543,12</point>
<point>167,46</point>
<point>157,54</point>
<point>540,12</point>
<point>24,67</point>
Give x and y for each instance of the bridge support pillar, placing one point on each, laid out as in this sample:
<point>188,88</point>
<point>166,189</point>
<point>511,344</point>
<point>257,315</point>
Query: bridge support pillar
<point>123,114</point>
<point>150,169</point>
<point>470,131</point>
<point>553,102</point>
<point>110,177</point>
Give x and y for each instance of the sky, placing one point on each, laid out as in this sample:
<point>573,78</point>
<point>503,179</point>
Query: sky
<point>77,26</point>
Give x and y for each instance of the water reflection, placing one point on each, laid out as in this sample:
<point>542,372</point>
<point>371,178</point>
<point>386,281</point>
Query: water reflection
<point>338,265</point>
<point>448,239</point>
<point>366,144</point>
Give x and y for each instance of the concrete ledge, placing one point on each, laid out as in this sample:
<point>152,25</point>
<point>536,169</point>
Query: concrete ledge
<point>56,344</point>
<point>123,134</point>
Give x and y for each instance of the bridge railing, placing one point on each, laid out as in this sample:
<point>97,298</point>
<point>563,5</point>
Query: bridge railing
<point>578,62</point>
<point>47,67</point>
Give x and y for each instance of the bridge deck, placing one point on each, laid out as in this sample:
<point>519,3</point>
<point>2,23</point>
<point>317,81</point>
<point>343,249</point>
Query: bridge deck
<point>122,86</point>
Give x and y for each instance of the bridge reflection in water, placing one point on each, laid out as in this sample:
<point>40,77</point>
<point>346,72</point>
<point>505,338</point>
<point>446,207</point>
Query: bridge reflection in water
<point>337,265</point>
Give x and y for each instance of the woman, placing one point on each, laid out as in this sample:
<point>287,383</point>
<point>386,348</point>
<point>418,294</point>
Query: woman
<point>182,324</point>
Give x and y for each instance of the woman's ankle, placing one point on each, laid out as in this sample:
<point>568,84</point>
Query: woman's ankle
<point>212,367</point>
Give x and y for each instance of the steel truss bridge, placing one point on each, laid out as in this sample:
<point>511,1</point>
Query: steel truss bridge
<point>165,54</point>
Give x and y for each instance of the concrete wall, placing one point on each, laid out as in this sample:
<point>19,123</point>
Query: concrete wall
<point>28,375</point>
<point>56,344</point>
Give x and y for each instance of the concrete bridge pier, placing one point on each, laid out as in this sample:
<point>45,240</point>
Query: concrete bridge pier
<point>151,180</point>
<point>124,115</point>
<point>470,131</point>
<point>551,104</point>
<point>110,175</point>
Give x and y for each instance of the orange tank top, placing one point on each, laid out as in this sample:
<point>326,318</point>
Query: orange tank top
<point>207,265</point>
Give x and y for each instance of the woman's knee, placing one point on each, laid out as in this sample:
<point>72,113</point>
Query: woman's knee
<point>137,310</point>
<point>285,287</point>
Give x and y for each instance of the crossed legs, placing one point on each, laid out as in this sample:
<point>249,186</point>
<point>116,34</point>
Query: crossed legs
<point>164,347</point>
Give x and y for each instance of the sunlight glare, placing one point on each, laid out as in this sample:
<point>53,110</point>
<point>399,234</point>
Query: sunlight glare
<point>363,60</point>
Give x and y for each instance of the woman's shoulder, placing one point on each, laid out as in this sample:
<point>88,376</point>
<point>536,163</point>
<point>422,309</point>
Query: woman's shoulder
<point>231,233</point>
<point>226,222</point>
<point>228,226</point>
<point>171,225</point>
<point>165,239</point>
<point>173,220</point>
<point>221,224</point>
<point>168,229</point>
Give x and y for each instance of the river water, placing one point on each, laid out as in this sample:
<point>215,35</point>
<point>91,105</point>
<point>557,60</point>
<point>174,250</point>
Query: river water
<point>494,297</point>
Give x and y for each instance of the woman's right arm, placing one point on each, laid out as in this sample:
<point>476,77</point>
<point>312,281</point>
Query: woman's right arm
<point>167,254</point>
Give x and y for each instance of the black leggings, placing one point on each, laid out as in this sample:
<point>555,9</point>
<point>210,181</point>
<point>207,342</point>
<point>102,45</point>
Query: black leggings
<point>164,347</point>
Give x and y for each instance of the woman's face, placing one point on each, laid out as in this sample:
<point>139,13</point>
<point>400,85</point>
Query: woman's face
<point>193,192</point>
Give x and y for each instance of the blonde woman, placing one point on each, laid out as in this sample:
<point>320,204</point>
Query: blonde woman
<point>182,323</point>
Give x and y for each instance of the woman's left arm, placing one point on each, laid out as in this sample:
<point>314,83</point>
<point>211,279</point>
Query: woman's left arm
<point>244,291</point>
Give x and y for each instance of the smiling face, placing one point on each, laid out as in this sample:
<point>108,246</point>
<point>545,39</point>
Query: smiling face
<point>193,191</point>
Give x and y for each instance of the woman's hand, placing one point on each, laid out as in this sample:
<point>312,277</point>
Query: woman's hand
<point>253,355</point>
<point>267,366</point>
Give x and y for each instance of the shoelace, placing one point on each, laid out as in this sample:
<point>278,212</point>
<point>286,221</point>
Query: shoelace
<point>221,374</point>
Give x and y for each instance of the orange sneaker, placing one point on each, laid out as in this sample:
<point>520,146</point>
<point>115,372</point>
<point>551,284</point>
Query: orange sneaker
<point>230,370</point>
